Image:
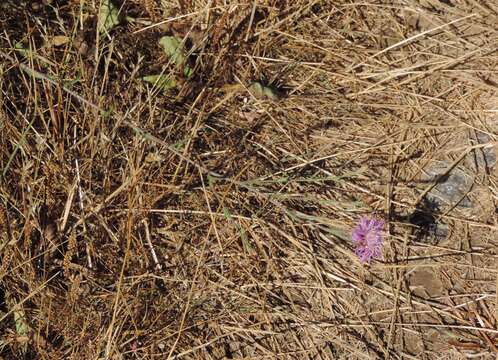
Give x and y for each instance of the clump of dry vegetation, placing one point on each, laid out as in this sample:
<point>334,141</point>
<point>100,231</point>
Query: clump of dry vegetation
<point>193,198</point>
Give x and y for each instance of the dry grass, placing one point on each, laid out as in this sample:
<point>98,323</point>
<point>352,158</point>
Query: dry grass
<point>205,223</point>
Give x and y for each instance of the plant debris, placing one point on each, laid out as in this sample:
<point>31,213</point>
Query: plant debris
<point>152,208</point>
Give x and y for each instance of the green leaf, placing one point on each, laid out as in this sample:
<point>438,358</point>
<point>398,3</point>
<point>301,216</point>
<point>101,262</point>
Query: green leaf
<point>108,16</point>
<point>179,145</point>
<point>270,93</point>
<point>245,241</point>
<point>243,234</point>
<point>163,82</point>
<point>260,91</point>
<point>211,180</point>
<point>338,233</point>
<point>20,48</point>
<point>226,213</point>
<point>107,113</point>
<point>188,71</point>
<point>22,327</point>
<point>256,89</point>
<point>174,48</point>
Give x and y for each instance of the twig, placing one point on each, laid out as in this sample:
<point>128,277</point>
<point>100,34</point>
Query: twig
<point>149,242</point>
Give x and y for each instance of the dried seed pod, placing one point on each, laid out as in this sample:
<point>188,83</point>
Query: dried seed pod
<point>3,218</point>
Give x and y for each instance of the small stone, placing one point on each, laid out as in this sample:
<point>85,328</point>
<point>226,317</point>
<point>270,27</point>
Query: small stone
<point>482,158</point>
<point>452,187</point>
<point>425,283</point>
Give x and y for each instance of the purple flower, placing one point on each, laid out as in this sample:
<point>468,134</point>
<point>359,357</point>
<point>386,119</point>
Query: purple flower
<point>367,238</point>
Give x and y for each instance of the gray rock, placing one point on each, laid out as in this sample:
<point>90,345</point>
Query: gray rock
<point>452,188</point>
<point>482,158</point>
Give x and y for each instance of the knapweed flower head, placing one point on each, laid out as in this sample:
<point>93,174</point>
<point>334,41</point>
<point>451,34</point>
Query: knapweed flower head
<point>367,238</point>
